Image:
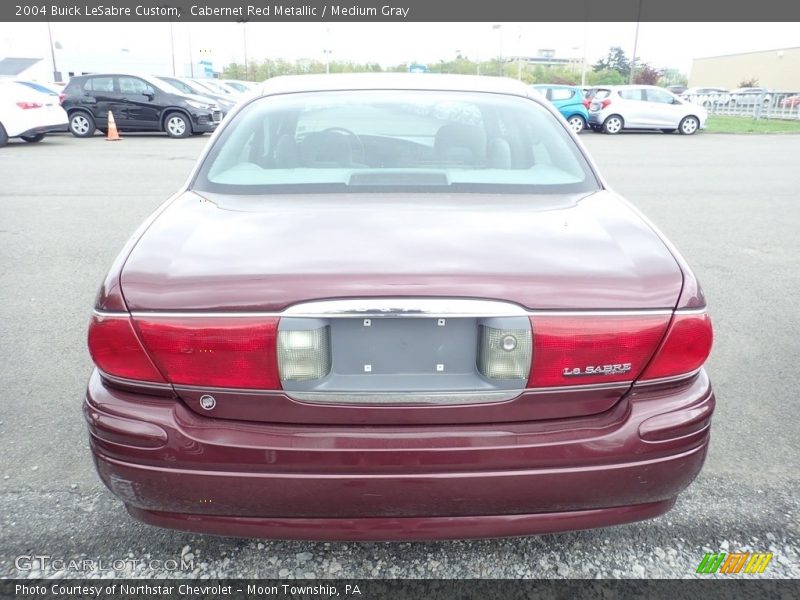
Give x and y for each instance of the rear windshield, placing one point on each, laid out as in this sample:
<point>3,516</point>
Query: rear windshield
<point>393,141</point>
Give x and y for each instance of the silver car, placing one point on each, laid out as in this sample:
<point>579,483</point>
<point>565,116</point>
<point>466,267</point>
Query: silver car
<point>618,107</point>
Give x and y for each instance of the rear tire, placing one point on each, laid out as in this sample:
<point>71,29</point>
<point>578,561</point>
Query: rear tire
<point>81,124</point>
<point>577,123</point>
<point>176,125</point>
<point>613,124</point>
<point>3,136</point>
<point>689,125</point>
<point>32,139</point>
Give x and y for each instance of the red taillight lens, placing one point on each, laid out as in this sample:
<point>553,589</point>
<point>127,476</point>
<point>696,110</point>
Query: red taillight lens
<point>116,350</point>
<point>578,350</point>
<point>229,352</point>
<point>604,103</point>
<point>685,349</point>
<point>29,105</point>
<point>587,103</point>
<point>61,97</point>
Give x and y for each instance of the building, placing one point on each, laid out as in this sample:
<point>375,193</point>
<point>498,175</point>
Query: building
<point>71,63</point>
<point>545,57</point>
<point>776,69</point>
<point>18,67</point>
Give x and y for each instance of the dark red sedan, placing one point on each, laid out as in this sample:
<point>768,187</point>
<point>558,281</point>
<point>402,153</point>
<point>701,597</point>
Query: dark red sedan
<point>397,307</point>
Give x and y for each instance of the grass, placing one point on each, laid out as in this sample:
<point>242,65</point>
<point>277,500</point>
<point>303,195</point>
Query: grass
<point>728,124</point>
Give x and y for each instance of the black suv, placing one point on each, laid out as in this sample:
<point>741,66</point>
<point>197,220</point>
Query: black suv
<point>139,103</point>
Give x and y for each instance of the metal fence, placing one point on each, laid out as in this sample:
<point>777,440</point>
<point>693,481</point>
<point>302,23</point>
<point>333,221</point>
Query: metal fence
<point>756,105</point>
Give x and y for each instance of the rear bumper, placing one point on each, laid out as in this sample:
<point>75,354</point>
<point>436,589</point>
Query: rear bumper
<point>60,128</point>
<point>177,469</point>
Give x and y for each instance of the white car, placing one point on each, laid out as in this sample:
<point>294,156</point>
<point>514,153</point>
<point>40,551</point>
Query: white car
<point>28,113</point>
<point>618,107</point>
<point>707,96</point>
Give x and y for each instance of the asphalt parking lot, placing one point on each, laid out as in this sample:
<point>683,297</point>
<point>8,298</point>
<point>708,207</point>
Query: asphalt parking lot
<point>728,202</point>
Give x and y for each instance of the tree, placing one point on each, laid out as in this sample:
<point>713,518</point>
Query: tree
<point>646,75</point>
<point>615,61</point>
<point>752,82</point>
<point>605,77</point>
<point>673,77</point>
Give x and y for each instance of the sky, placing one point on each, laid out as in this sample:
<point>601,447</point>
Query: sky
<point>672,45</point>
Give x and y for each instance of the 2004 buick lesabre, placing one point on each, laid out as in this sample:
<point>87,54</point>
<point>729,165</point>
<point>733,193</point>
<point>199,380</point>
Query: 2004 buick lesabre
<point>397,307</point>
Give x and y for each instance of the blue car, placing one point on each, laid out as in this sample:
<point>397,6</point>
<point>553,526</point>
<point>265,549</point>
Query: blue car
<point>568,99</point>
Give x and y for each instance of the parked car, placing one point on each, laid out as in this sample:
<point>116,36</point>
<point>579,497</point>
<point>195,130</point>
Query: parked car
<point>28,113</point>
<point>751,96</point>
<point>139,103</point>
<point>191,87</point>
<point>707,96</point>
<point>214,85</point>
<point>791,102</point>
<point>386,306</point>
<point>590,93</point>
<point>568,99</point>
<point>48,89</point>
<point>240,86</point>
<point>643,107</point>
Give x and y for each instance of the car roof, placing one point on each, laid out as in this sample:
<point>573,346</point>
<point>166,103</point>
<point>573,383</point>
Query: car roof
<point>392,81</point>
<point>556,85</point>
<point>634,86</point>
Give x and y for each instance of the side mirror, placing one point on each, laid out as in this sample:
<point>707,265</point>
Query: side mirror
<point>150,94</point>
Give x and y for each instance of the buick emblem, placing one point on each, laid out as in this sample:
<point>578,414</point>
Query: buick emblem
<point>207,402</point>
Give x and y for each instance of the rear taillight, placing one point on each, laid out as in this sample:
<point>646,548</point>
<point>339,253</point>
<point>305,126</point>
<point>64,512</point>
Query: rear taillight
<point>29,105</point>
<point>685,349</point>
<point>61,97</point>
<point>580,350</point>
<point>605,102</point>
<point>587,103</point>
<point>227,352</point>
<point>116,349</point>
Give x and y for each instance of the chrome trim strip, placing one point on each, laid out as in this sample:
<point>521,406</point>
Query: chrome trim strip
<point>601,313</point>
<point>692,311</point>
<point>375,313</point>
<point>151,385</point>
<point>621,385</point>
<point>405,398</point>
<point>672,378</point>
<point>406,307</point>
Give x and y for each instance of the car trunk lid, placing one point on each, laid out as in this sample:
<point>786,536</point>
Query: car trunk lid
<point>535,258</point>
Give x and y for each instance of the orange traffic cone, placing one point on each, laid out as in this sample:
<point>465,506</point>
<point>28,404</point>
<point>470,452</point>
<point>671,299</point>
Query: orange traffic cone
<point>113,134</point>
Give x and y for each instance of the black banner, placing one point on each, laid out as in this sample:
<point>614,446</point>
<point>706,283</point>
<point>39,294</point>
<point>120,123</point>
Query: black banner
<point>711,588</point>
<point>400,10</point>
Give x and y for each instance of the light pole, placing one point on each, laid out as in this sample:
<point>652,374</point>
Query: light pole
<point>583,58</point>
<point>172,43</point>
<point>166,7</point>
<point>327,51</point>
<point>244,45</point>
<point>499,28</point>
<point>56,74</point>
<point>191,58</point>
<point>635,42</point>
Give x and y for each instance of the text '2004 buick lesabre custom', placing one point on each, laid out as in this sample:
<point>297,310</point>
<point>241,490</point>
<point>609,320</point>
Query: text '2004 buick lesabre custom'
<point>397,307</point>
